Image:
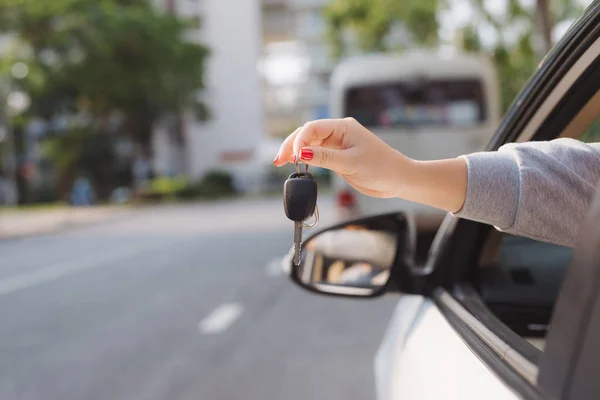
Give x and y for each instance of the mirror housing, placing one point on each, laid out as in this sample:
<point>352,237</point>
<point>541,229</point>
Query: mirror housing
<point>365,257</point>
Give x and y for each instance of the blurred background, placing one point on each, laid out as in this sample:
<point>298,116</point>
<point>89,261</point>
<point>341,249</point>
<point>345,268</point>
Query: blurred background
<point>141,224</point>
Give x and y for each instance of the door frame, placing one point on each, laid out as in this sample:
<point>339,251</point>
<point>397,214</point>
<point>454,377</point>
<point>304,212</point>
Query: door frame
<point>574,339</point>
<point>459,242</point>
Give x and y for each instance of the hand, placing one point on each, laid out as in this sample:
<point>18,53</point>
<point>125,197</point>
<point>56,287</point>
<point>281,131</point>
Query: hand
<point>346,147</point>
<point>372,167</point>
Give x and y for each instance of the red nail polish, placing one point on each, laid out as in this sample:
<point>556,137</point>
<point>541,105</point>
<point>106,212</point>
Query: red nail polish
<point>276,159</point>
<point>306,154</point>
<point>294,158</point>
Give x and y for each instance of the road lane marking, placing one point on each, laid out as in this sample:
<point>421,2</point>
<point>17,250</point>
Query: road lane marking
<point>220,319</point>
<point>55,272</point>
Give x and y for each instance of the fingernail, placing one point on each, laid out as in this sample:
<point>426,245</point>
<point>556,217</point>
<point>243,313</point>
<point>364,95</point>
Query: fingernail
<point>294,158</point>
<point>276,159</point>
<point>306,154</point>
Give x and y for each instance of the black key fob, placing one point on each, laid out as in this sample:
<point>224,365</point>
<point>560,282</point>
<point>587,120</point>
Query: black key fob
<point>300,196</point>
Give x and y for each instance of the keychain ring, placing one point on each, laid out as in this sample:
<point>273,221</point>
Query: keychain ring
<point>316,215</point>
<point>297,162</point>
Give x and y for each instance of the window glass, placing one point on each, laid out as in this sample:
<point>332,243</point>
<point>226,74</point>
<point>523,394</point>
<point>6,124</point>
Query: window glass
<point>521,284</point>
<point>593,133</point>
<point>455,102</point>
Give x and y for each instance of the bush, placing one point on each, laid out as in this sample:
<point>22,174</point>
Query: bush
<point>163,188</point>
<point>168,186</point>
<point>215,184</point>
<point>45,194</point>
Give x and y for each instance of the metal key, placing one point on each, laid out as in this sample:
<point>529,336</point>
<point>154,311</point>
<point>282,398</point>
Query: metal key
<point>300,203</point>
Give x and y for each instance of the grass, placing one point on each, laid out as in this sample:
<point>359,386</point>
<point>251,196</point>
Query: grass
<point>63,206</point>
<point>37,207</point>
<point>58,206</point>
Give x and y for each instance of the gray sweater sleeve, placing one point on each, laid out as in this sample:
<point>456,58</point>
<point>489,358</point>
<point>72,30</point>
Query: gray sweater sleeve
<point>541,190</point>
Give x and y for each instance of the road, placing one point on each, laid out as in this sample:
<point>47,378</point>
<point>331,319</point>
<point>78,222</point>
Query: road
<point>181,302</point>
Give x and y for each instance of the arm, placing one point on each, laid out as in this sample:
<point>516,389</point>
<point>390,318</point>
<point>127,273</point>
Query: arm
<point>538,189</point>
<point>541,190</point>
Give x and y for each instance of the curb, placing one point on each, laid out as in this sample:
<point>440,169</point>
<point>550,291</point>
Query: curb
<point>65,226</point>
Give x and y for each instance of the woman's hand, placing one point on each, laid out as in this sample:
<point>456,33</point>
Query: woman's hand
<point>346,147</point>
<point>372,167</point>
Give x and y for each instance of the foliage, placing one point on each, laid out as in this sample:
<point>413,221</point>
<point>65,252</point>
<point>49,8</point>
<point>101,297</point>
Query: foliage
<point>168,186</point>
<point>593,133</point>
<point>517,59</point>
<point>100,56</point>
<point>372,20</point>
<point>119,66</point>
<point>218,181</point>
<point>79,152</point>
<point>214,184</point>
<point>514,51</point>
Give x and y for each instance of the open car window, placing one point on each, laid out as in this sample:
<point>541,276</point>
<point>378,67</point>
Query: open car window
<point>518,278</point>
<point>522,285</point>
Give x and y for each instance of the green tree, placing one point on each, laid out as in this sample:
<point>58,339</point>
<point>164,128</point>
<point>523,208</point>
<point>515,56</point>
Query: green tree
<point>101,60</point>
<point>371,21</point>
<point>518,58</point>
<point>514,54</point>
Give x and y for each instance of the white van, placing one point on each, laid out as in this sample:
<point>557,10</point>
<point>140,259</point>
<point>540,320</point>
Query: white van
<point>422,103</point>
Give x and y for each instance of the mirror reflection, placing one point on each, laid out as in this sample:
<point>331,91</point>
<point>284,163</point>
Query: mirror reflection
<point>350,260</point>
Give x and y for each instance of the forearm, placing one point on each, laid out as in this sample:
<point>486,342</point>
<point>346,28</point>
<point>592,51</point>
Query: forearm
<point>440,183</point>
<point>540,190</point>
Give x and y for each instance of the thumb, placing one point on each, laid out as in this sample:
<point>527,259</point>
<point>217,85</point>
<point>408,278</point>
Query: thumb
<point>333,159</point>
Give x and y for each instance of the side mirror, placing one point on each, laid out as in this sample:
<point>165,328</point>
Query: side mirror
<point>360,258</point>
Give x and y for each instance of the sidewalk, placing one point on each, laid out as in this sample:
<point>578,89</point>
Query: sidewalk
<point>20,223</point>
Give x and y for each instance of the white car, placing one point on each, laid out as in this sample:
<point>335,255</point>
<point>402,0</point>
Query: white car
<point>489,315</point>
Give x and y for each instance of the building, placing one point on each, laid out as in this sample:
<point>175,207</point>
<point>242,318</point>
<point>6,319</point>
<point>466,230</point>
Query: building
<point>230,139</point>
<point>276,21</point>
<point>296,79</point>
<point>278,67</point>
<point>309,28</point>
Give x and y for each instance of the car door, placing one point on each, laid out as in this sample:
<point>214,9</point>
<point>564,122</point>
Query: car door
<point>568,368</point>
<point>481,331</point>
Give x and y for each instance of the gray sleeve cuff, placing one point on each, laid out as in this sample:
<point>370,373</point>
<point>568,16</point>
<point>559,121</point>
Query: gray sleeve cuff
<point>492,189</point>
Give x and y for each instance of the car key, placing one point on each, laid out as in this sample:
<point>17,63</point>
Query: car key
<point>300,203</point>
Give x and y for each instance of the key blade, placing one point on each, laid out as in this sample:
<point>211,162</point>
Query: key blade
<point>297,242</point>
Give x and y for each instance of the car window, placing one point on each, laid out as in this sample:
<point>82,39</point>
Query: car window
<point>455,102</point>
<point>519,278</point>
<point>521,285</point>
<point>593,133</point>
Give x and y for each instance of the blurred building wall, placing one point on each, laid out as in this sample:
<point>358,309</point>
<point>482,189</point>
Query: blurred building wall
<point>309,28</point>
<point>229,140</point>
<point>276,21</point>
<point>296,27</point>
<point>278,37</point>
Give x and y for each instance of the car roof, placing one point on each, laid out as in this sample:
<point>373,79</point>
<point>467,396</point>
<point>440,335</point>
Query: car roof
<point>408,65</point>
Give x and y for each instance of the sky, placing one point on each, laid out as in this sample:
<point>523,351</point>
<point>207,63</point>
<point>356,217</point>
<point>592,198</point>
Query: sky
<point>286,63</point>
<point>460,13</point>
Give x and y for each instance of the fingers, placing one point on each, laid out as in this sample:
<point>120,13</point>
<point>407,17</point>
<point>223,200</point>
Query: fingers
<point>325,132</point>
<point>285,153</point>
<point>340,161</point>
<point>316,132</point>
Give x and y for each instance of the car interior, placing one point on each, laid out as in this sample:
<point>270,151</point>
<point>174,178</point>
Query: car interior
<point>519,278</point>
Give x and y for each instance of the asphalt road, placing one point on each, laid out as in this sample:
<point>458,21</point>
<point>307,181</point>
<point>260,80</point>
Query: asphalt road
<point>183,302</point>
